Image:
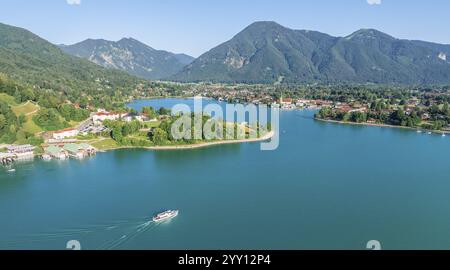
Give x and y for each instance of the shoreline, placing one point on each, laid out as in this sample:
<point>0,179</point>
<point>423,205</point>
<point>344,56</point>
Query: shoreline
<point>266,137</point>
<point>381,125</point>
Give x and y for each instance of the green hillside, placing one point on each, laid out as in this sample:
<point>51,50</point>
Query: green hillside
<point>29,59</point>
<point>40,85</point>
<point>29,110</point>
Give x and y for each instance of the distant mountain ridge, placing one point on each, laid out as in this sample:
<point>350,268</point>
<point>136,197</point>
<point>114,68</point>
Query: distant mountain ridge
<point>28,58</point>
<point>266,52</point>
<point>130,55</point>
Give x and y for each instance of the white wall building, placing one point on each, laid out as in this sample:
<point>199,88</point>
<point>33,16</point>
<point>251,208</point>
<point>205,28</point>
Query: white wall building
<point>65,133</point>
<point>99,117</point>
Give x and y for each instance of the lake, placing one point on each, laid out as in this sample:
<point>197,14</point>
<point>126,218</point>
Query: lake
<point>328,186</point>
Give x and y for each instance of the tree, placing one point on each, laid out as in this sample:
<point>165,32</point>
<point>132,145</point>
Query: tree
<point>359,117</point>
<point>445,109</point>
<point>116,134</point>
<point>70,113</point>
<point>434,109</point>
<point>3,121</point>
<point>149,111</point>
<point>84,102</point>
<point>164,111</point>
<point>49,120</point>
<point>17,96</point>
<point>22,119</point>
<point>159,136</point>
<point>346,117</point>
<point>130,128</point>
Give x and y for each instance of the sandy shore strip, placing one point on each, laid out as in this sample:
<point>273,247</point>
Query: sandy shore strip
<point>266,137</point>
<point>382,125</point>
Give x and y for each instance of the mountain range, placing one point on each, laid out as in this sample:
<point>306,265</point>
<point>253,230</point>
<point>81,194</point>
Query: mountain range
<point>266,52</point>
<point>27,58</point>
<point>130,55</point>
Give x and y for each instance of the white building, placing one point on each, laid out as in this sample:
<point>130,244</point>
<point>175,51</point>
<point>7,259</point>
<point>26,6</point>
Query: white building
<point>65,133</point>
<point>21,151</point>
<point>141,118</point>
<point>99,117</point>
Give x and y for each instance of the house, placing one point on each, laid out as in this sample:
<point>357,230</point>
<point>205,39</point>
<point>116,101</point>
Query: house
<point>56,152</point>
<point>285,101</point>
<point>345,108</point>
<point>101,116</point>
<point>129,118</point>
<point>61,142</point>
<point>360,109</point>
<point>319,102</point>
<point>79,151</point>
<point>21,151</point>
<point>301,103</point>
<point>140,118</point>
<point>144,118</point>
<point>65,133</point>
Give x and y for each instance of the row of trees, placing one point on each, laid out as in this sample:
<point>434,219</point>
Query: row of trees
<point>193,132</point>
<point>439,117</point>
<point>131,134</point>
<point>70,113</point>
<point>9,123</point>
<point>49,119</point>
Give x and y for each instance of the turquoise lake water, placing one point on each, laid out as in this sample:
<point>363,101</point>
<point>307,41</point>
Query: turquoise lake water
<point>328,186</point>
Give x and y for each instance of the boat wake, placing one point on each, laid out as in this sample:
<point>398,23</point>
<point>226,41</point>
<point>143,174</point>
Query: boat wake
<point>138,231</point>
<point>137,228</point>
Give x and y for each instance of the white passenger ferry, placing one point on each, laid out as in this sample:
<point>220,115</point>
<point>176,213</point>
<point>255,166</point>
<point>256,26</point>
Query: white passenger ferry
<point>165,215</point>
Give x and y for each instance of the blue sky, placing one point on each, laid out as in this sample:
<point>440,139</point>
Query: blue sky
<point>195,26</point>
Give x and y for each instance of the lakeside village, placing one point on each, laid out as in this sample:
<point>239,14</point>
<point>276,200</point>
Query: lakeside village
<point>63,144</point>
<point>73,142</point>
<point>105,130</point>
<point>424,110</point>
<point>420,108</point>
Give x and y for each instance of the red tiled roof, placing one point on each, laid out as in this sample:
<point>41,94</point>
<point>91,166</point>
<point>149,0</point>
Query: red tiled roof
<point>64,130</point>
<point>108,113</point>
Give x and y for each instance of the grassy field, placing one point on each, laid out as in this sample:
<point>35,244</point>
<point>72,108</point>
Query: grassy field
<point>153,124</point>
<point>27,108</point>
<point>105,144</point>
<point>30,126</point>
<point>72,123</point>
<point>8,99</point>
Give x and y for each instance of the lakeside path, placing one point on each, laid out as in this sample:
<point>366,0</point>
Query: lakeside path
<point>266,137</point>
<point>381,125</point>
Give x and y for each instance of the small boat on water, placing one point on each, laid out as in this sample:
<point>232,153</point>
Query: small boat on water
<point>165,215</point>
<point>443,135</point>
<point>419,131</point>
<point>46,157</point>
<point>11,170</point>
<point>429,133</point>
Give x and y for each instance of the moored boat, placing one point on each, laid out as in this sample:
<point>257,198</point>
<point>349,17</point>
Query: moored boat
<point>46,157</point>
